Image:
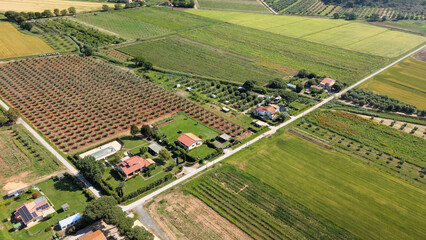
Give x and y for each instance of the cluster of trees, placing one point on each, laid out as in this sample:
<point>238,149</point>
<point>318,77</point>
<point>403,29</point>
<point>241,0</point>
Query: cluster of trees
<point>145,130</point>
<point>9,116</point>
<point>142,62</point>
<point>106,208</point>
<point>119,6</point>
<point>22,17</point>
<point>314,79</point>
<point>183,3</point>
<point>381,102</point>
<point>90,168</point>
<point>347,16</point>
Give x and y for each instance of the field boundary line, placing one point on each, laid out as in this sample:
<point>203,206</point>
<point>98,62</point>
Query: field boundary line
<point>267,7</point>
<point>274,129</point>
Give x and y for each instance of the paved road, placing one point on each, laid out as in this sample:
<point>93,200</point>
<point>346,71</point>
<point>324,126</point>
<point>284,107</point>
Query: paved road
<point>272,131</point>
<point>55,153</point>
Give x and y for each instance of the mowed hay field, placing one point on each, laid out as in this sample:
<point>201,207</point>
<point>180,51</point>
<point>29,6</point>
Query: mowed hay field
<point>237,5</point>
<point>405,81</point>
<point>182,55</point>
<point>40,5</point>
<point>354,195</point>
<point>14,43</point>
<point>355,36</point>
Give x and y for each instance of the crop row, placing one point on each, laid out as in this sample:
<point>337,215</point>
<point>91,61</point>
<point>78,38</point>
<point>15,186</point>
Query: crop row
<point>76,101</point>
<point>237,196</point>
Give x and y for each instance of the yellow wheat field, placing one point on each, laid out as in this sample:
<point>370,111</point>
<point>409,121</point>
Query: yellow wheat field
<point>40,5</point>
<point>13,43</point>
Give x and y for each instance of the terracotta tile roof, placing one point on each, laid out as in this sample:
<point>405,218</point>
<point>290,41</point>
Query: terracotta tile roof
<point>328,81</point>
<point>188,139</point>
<point>316,87</point>
<point>270,109</point>
<point>133,164</point>
<point>97,235</point>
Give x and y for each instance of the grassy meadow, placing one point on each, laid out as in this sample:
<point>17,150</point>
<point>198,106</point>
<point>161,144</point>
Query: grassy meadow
<point>14,43</point>
<point>287,54</point>
<point>185,56</point>
<point>236,5</point>
<point>346,191</point>
<point>405,81</point>
<point>41,5</point>
<point>355,36</point>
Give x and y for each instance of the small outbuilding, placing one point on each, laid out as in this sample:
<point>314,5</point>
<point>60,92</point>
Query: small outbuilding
<point>65,207</point>
<point>69,221</point>
<point>60,176</point>
<point>224,137</point>
<point>225,109</point>
<point>154,148</point>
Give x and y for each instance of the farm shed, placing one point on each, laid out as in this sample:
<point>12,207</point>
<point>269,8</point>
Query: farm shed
<point>69,221</point>
<point>65,207</point>
<point>225,109</point>
<point>154,148</point>
<point>225,137</point>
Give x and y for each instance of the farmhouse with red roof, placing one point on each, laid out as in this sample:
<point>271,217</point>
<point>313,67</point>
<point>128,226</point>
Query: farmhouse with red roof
<point>29,214</point>
<point>189,141</point>
<point>133,165</point>
<point>268,111</point>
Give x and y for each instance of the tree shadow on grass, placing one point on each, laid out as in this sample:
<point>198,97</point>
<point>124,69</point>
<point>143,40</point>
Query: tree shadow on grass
<point>68,184</point>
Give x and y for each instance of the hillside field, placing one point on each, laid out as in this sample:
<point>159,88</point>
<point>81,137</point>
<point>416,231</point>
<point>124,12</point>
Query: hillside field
<point>14,43</point>
<point>355,36</point>
<point>40,5</point>
<point>348,192</point>
<point>405,81</point>
<point>184,56</point>
<point>235,5</point>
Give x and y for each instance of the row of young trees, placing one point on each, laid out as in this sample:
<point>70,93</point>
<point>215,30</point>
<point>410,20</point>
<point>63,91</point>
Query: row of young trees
<point>363,97</point>
<point>119,6</point>
<point>22,17</point>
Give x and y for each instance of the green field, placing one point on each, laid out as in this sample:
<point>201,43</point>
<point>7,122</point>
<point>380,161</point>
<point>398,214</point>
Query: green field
<point>22,158</point>
<point>352,194</point>
<point>186,124</point>
<point>349,35</point>
<point>58,192</point>
<point>185,56</point>
<point>396,143</point>
<point>144,22</point>
<point>236,5</point>
<point>287,54</point>
<point>258,209</point>
<point>416,26</point>
<point>405,81</point>
<point>124,25</point>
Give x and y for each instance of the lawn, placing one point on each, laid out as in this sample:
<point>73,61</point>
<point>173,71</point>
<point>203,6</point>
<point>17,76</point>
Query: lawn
<point>58,192</point>
<point>132,143</point>
<point>185,56</point>
<point>286,54</point>
<point>22,159</point>
<point>41,5</point>
<point>14,43</point>
<point>187,124</point>
<point>350,193</point>
<point>355,36</point>
<point>138,182</point>
<point>236,5</point>
<point>405,81</point>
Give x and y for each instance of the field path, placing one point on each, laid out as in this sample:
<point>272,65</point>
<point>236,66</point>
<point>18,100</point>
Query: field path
<point>93,26</point>
<point>273,129</point>
<point>55,153</point>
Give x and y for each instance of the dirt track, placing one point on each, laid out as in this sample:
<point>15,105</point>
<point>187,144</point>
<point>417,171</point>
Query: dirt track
<point>186,217</point>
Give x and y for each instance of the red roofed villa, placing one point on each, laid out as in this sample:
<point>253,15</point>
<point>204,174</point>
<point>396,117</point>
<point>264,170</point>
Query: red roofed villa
<point>328,81</point>
<point>268,111</point>
<point>29,214</point>
<point>189,141</point>
<point>133,165</point>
